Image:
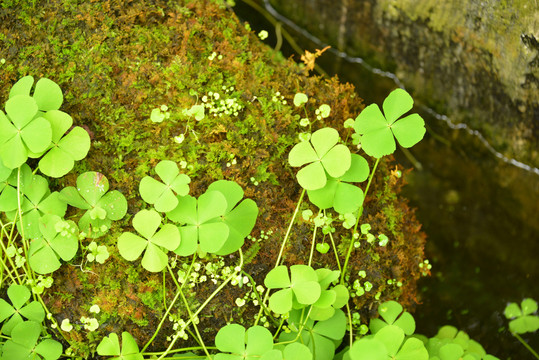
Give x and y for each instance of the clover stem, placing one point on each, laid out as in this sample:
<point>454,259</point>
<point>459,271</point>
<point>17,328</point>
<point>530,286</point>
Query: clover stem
<point>27,269</point>
<point>312,245</point>
<point>164,293</point>
<point>201,342</point>
<point>359,213</point>
<point>289,228</point>
<point>201,307</point>
<point>169,308</point>
<point>259,298</point>
<point>335,251</point>
<point>4,267</point>
<point>530,349</point>
<point>350,322</point>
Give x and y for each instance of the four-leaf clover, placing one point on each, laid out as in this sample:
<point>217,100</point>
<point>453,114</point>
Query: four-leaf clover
<point>323,155</point>
<point>19,295</point>
<point>378,132</point>
<point>146,222</point>
<point>23,344</point>
<point>162,194</point>
<point>242,344</point>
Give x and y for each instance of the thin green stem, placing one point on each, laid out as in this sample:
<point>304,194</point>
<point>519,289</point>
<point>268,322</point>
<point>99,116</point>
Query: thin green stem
<point>337,260</point>
<point>530,349</point>
<point>194,324</point>
<point>313,241</point>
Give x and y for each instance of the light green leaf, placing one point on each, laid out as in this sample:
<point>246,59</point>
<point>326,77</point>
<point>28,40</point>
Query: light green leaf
<point>300,99</point>
<point>409,130</point>
<point>21,109</point>
<point>48,95</point>
<point>312,176</point>
<point>396,104</point>
<point>368,349</point>
<point>301,154</point>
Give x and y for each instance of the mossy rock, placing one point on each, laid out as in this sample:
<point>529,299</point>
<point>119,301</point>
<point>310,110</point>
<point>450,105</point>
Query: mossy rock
<point>115,62</point>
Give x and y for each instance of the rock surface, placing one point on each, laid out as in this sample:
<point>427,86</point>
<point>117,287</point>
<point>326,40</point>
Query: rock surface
<point>476,61</point>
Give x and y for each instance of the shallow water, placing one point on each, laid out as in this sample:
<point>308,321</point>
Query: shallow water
<point>478,209</point>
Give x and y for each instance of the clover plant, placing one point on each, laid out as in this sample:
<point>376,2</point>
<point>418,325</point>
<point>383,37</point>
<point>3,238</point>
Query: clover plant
<point>153,243</point>
<point>388,343</point>
<point>36,202</point>
<point>213,221</point>
<point>392,313</point>
<point>110,346</point>
<point>321,337</point>
<point>338,193</point>
<point>162,194</point>
<point>60,240</point>
<point>465,348</point>
<point>97,253</point>
<point>19,296</point>
<point>47,94</point>
<point>102,207</point>
<point>378,132</point>
<point>300,287</point>
<point>293,351</point>
<point>240,344</point>
<point>8,193</point>
<point>62,153</point>
<point>522,318</point>
<point>324,157</point>
<point>22,132</point>
<point>330,299</point>
<point>24,344</point>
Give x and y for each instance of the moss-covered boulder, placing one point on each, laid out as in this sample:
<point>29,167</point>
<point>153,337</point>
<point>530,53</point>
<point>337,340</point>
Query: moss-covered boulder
<point>116,61</point>
<point>476,61</point>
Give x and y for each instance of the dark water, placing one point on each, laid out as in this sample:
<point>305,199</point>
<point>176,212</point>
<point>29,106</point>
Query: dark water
<point>480,213</point>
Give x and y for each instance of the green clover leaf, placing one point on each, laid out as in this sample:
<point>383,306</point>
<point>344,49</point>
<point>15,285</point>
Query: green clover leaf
<point>378,133</point>
<point>36,202</point>
<point>293,351</point>
<point>19,295</point>
<point>240,218</point>
<point>8,193</point>
<point>59,241</point>
<point>64,150</point>
<point>323,155</point>
<point>338,193</point>
<point>162,194</point>
<point>47,94</point>
<point>300,99</point>
<point>388,343</point>
<point>22,344</point>
<point>392,313</point>
<point>522,320</point>
<point>301,287</point>
<point>102,207</point>
<point>469,349</point>
<point>242,344</point>
<point>202,222</point>
<point>110,346</point>
<point>154,243</point>
<point>321,337</point>
<point>330,299</point>
<point>22,132</point>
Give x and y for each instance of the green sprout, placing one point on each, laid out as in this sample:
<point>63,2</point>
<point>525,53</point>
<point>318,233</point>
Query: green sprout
<point>110,346</point>
<point>59,241</point>
<point>102,207</point>
<point>154,243</point>
<point>321,337</point>
<point>300,99</point>
<point>240,344</point>
<point>162,194</point>
<point>159,114</point>
<point>378,132</point>
<point>213,221</point>
<point>338,193</point>
<point>19,296</point>
<point>388,343</point>
<point>97,253</point>
<point>301,287</point>
<point>392,313</point>
<point>36,202</point>
<point>196,111</point>
<point>323,155</point>
<point>23,344</point>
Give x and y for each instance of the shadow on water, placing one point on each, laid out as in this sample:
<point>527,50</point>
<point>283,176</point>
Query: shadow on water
<point>480,213</point>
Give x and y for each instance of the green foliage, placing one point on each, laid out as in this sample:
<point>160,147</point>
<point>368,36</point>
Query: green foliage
<point>321,337</point>
<point>101,207</point>
<point>301,287</point>
<point>323,155</point>
<point>162,194</point>
<point>338,193</point>
<point>330,299</point>
<point>378,132</point>
<point>110,346</point>
<point>450,343</point>
<point>300,99</point>
<point>19,296</point>
<point>522,318</point>
<point>252,343</point>
<point>97,253</point>
<point>24,344</point>
<point>393,314</point>
<point>388,343</point>
<point>36,202</point>
<point>154,243</point>
<point>213,221</point>
<point>59,240</point>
